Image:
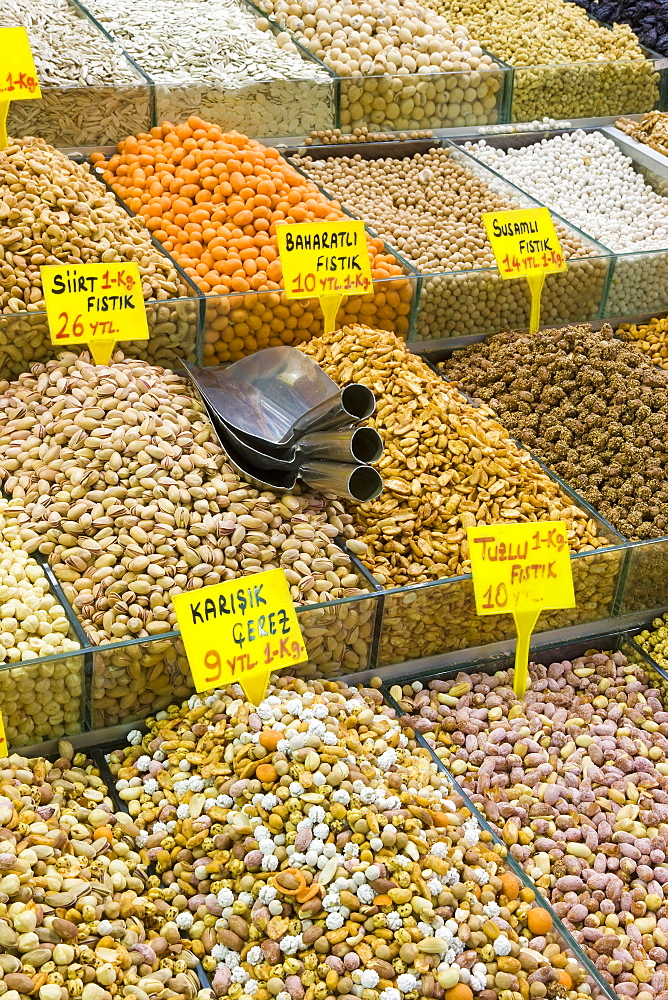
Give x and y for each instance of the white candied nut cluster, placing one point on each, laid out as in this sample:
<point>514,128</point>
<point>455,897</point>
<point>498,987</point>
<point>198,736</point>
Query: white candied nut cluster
<point>586,178</point>
<point>211,58</point>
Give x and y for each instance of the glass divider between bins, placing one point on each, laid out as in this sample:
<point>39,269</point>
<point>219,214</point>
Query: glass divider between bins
<point>590,969</point>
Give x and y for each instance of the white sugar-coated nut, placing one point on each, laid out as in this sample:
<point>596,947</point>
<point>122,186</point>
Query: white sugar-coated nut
<point>215,59</point>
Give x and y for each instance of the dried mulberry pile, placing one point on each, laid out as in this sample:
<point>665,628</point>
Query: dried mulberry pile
<point>648,18</point>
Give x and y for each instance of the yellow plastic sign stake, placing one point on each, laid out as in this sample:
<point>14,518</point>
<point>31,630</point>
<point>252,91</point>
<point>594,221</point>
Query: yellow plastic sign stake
<point>525,244</point>
<point>18,76</point>
<point>239,631</point>
<point>521,569</point>
<point>94,304</point>
<point>324,260</point>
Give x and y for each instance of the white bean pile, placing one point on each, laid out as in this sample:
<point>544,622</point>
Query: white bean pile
<point>586,178</point>
<point>210,58</point>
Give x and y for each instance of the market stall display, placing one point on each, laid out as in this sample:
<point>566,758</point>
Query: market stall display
<point>575,781</point>
<point>448,466</point>
<point>124,486</point>
<point>332,860</point>
<point>426,200</point>
<point>565,65</point>
<point>55,212</point>
<point>213,58</point>
<point>91,90</point>
<point>214,199</point>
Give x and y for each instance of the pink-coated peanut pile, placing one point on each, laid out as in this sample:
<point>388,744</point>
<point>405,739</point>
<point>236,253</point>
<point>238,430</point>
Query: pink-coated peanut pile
<point>574,778</point>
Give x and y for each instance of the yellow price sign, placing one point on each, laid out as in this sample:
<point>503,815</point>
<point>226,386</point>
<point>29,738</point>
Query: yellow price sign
<point>239,631</point>
<point>18,76</point>
<point>94,304</point>
<point>521,569</point>
<point>324,260</point>
<point>4,749</point>
<point>525,244</point>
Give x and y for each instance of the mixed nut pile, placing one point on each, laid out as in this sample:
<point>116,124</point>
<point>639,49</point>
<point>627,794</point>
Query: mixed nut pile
<point>79,915</point>
<point>308,854</point>
<point>574,778</point>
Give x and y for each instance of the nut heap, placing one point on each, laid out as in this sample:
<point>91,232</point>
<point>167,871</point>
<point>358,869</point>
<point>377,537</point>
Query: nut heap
<point>214,200</point>
<point>652,129</point>
<point>334,136</point>
<point>655,641</point>
<point>52,211</point>
<point>41,701</point>
<point>429,207</point>
<point>568,66</point>
<point>591,406</point>
<point>91,93</point>
<point>574,778</point>
<point>402,65</point>
<point>76,920</point>
<point>651,338</point>
<point>126,489</point>
<point>447,466</point>
<point>309,855</point>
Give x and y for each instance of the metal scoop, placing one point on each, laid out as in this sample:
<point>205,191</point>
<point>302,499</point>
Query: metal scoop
<point>279,394</point>
<point>288,421</point>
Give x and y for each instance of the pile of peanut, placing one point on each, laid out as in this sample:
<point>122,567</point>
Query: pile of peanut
<point>575,780</point>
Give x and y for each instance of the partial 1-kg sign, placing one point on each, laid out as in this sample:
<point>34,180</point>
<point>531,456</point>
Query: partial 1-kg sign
<point>239,631</point>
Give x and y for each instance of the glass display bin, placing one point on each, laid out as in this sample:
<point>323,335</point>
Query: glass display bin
<point>261,106</point>
<point>638,282</point>
<point>88,115</point>
<point>477,300</point>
